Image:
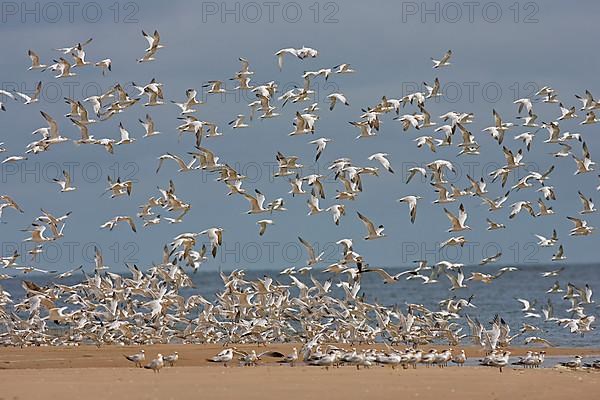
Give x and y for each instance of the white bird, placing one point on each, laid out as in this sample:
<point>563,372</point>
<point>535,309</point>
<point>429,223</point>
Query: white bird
<point>536,339</point>
<point>183,167</point>
<point>443,195</point>
<point>313,258</point>
<point>63,67</point>
<point>305,52</point>
<point>238,122</point>
<point>291,358</point>
<point>458,223</point>
<point>584,164</point>
<point>263,223</point>
<point>529,120</point>
<point>51,133</point>
<point>321,144</point>
<point>460,358</point>
<point>35,60</point>
<point>337,210</point>
<point>513,161</point>
<point>457,281</point>
<point>13,159</point>
<point>547,192</point>
<point>494,225</point>
<point>524,104</point>
<point>313,204</point>
<point>387,278</point>
<point>588,204</point>
<point>547,242</point>
<point>454,241</point>
<point>587,101</point>
<point>559,255</point>
<point>256,202</point>
<point>527,305</point>
<point>156,364</point>
<point>590,118</point>
<point>34,98</point>
<point>296,184</point>
<point>527,138</point>
<point>334,98</point>
<point>574,363</point>
<point>581,227</point>
<point>70,49</point>
<point>215,235</point>
<point>171,358</point>
<point>304,123</point>
<point>497,360</point>
<point>491,259</point>
<point>343,69</point>
<point>148,125</point>
<point>110,224</point>
<point>444,61</point>
<point>432,91</point>
<point>519,206</point>
<point>37,235</point>
<point>552,273</point>
<point>137,358</point>
<point>416,170</point>
<point>208,159</point>
<point>365,129</point>
<point>410,120</point>
<point>153,46</point>
<point>565,150</point>
<point>430,141</point>
<point>381,158</point>
<point>215,87</point>
<point>224,357</point>
<point>65,184</point>
<point>566,113</point>
<point>412,205</point>
<point>282,53</point>
<point>69,273</point>
<point>125,138</point>
<point>372,232</point>
<point>104,65</point>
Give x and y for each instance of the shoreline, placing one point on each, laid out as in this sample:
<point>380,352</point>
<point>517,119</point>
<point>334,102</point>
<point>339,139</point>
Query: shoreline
<point>195,355</point>
<point>103,373</point>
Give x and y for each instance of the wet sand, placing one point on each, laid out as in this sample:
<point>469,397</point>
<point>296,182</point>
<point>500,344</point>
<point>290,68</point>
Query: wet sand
<point>102,373</point>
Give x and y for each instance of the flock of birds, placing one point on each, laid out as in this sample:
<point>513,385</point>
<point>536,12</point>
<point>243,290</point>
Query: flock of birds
<point>334,356</point>
<point>145,307</point>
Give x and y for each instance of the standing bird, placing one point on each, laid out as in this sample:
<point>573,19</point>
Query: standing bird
<point>137,358</point>
<point>224,357</point>
<point>156,364</point>
<point>171,359</point>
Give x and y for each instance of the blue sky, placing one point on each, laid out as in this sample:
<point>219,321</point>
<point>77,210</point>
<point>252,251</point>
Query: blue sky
<point>501,52</point>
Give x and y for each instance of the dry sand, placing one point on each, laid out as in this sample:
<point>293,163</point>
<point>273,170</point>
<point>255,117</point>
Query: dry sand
<point>103,373</point>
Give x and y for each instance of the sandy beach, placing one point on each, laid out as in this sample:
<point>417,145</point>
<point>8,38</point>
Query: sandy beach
<point>102,373</point>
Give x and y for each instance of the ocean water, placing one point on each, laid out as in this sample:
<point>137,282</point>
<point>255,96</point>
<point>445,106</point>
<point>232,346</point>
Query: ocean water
<point>489,299</point>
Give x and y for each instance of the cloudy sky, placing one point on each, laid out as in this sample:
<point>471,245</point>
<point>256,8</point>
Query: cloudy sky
<point>502,51</point>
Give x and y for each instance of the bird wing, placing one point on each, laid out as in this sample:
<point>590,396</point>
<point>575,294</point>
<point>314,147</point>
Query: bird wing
<point>368,224</point>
